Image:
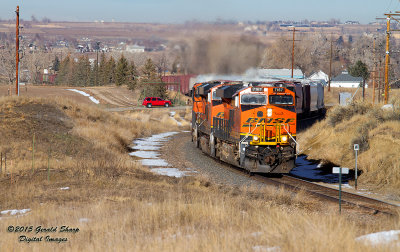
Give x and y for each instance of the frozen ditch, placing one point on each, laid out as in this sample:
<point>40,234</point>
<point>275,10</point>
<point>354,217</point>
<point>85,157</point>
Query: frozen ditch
<point>391,238</point>
<point>14,213</point>
<point>85,94</point>
<point>172,114</point>
<point>147,150</point>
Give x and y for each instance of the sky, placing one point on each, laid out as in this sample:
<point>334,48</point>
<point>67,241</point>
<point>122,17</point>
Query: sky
<point>179,11</point>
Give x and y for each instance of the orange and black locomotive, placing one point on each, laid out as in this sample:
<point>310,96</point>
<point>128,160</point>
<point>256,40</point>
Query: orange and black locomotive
<point>250,125</point>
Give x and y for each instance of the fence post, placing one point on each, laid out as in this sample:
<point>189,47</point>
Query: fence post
<point>48,166</point>
<point>5,162</point>
<point>11,166</point>
<point>33,152</point>
<point>1,162</point>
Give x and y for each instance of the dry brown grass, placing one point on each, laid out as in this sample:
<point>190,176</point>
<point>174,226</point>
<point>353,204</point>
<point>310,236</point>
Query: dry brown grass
<point>375,130</point>
<point>130,209</point>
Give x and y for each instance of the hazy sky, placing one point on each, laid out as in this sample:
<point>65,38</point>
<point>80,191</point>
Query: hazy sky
<point>178,11</point>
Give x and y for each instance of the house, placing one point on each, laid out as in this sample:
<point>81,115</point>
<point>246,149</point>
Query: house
<point>347,81</point>
<point>320,76</point>
<point>135,48</point>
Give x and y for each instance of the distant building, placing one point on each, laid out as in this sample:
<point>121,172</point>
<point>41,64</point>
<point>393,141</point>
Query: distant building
<point>134,48</point>
<point>351,22</point>
<point>178,82</point>
<point>319,76</point>
<point>347,81</point>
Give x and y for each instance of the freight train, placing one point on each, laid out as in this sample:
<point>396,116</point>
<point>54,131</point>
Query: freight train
<point>252,125</point>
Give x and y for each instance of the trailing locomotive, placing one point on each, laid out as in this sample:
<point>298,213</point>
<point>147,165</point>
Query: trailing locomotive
<point>250,125</point>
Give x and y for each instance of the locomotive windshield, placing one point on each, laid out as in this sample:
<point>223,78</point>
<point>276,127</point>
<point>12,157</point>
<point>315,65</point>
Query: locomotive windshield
<point>215,96</point>
<point>254,99</point>
<point>281,99</point>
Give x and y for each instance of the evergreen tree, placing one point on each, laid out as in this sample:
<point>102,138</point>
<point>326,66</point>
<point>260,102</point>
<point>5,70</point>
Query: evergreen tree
<point>360,69</point>
<point>151,83</point>
<point>103,74</point>
<point>133,76</point>
<point>66,72</point>
<point>175,64</point>
<point>110,71</point>
<point>149,71</point>
<point>83,72</point>
<point>122,71</point>
<point>56,64</point>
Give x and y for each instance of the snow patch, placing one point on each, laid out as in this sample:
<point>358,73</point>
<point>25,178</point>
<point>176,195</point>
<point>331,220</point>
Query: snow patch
<point>154,162</point>
<point>171,172</point>
<point>147,150</point>
<point>145,154</point>
<point>145,147</point>
<point>380,238</point>
<point>64,188</point>
<point>344,186</point>
<point>15,211</point>
<point>94,100</point>
<point>83,220</point>
<point>172,114</point>
<point>85,94</point>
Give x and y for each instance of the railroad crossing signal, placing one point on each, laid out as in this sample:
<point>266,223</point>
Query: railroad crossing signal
<point>340,171</point>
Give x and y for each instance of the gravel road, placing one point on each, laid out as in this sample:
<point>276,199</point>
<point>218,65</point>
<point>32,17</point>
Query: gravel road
<point>181,153</point>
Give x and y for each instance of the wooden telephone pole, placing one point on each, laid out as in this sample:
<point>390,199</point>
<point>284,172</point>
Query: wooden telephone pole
<point>17,52</point>
<point>374,75</point>
<point>330,66</point>
<point>294,32</point>
<point>389,17</point>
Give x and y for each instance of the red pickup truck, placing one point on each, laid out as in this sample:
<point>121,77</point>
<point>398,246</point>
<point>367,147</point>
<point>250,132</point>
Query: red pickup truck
<point>156,101</point>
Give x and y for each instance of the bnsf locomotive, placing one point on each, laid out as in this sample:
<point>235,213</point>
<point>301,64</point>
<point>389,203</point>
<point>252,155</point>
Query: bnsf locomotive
<point>250,125</point>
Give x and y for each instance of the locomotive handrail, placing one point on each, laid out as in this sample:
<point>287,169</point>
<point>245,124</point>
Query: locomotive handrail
<point>244,138</point>
<point>297,144</point>
<point>198,113</point>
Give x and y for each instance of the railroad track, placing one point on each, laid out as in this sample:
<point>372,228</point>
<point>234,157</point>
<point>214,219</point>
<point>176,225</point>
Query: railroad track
<point>349,200</point>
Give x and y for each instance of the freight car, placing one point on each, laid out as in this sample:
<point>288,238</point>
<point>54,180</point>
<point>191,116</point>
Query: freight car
<point>250,125</point>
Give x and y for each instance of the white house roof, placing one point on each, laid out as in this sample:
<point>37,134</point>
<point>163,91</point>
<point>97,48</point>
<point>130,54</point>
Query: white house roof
<point>319,76</point>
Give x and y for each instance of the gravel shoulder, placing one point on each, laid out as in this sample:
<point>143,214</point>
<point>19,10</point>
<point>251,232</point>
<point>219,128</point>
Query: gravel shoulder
<point>181,153</point>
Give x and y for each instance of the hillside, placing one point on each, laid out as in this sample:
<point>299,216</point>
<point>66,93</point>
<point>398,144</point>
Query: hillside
<point>376,130</point>
<point>118,205</point>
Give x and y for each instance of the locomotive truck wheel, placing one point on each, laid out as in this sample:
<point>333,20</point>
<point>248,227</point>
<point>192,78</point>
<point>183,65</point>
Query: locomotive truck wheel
<point>148,105</point>
<point>166,105</point>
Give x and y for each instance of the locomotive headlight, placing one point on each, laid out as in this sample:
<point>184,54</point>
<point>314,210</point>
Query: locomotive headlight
<point>284,138</point>
<point>255,138</point>
<point>269,112</point>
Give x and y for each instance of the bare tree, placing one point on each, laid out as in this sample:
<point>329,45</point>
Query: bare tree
<point>7,63</point>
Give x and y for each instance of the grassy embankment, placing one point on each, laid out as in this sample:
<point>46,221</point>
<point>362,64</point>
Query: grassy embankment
<point>376,131</point>
<point>120,206</point>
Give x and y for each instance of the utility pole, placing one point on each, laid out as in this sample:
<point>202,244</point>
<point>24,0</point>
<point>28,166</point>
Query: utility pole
<point>17,52</point>
<point>379,81</point>
<point>389,17</point>
<point>387,58</point>
<point>374,75</point>
<point>97,62</point>
<point>330,66</point>
<point>294,31</point>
